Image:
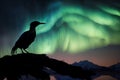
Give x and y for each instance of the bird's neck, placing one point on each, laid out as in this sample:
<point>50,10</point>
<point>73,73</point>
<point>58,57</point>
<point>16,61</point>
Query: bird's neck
<point>33,30</point>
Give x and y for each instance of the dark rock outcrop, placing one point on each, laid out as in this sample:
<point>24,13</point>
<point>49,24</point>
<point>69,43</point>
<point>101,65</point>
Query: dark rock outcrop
<point>14,66</point>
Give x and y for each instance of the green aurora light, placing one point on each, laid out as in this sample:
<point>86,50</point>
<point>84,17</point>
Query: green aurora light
<point>74,29</point>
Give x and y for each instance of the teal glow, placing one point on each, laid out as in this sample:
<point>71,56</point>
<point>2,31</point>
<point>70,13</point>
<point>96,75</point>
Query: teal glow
<point>74,29</point>
<point>110,10</point>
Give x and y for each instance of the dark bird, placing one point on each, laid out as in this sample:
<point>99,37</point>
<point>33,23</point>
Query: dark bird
<point>26,38</point>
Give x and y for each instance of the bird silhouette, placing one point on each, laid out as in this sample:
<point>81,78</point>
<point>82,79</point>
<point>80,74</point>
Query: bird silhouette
<point>26,38</point>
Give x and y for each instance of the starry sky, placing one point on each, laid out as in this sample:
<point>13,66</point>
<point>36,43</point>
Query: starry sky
<point>74,30</point>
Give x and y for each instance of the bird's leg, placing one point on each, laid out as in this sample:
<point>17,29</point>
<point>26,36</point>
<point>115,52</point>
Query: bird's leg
<point>16,51</point>
<point>25,50</point>
<point>22,50</point>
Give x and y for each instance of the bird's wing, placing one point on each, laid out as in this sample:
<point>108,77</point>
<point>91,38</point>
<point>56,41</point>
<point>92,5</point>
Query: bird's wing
<point>23,37</point>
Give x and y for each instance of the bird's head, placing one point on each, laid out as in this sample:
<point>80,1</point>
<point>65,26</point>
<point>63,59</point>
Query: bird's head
<point>34,24</point>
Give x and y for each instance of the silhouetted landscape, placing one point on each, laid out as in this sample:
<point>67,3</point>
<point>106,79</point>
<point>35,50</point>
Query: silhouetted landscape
<point>42,67</point>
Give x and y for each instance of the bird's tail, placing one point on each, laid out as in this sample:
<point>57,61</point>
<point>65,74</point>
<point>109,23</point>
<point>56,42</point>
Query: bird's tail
<point>13,50</point>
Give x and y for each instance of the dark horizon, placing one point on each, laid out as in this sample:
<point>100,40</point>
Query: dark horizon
<point>104,56</point>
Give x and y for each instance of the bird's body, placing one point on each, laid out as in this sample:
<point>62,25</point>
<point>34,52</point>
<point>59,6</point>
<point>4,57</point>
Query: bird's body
<point>26,38</point>
<point>24,41</point>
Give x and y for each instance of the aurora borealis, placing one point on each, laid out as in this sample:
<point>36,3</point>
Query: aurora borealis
<point>74,27</point>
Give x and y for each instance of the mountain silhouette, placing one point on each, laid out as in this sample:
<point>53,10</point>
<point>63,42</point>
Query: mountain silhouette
<point>86,65</point>
<point>113,71</point>
<point>116,71</point>
<point>116,67</point>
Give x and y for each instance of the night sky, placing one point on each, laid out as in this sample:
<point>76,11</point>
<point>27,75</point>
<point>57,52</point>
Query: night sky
<point>75,29</point>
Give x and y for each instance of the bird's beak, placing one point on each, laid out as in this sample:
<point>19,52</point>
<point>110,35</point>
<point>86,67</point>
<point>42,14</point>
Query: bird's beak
<point>42,23</point>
